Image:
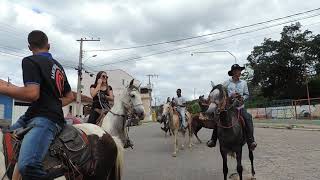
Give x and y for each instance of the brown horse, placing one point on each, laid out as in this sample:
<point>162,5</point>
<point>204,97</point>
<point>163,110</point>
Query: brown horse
<point>198,122</point>
<point>105,143</point>
<point>174,124</point>
<point>201,120</point>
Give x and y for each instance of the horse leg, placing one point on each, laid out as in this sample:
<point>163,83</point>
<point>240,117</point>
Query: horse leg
<point>184,139</point>
<point>239,165</point>
<point>225,164</point>
<point>175,142</point>
<point>196,130</point>
<point>251,160</point>
<point>190,135</point>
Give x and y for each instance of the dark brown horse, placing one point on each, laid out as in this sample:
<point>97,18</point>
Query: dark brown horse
<point>201,120</point>
<point>230,129</point>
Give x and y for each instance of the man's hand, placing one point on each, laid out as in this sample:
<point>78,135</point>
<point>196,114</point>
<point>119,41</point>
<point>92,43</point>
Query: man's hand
<point>67,99</point>
<point>3,85</point>
<point>235,95</point>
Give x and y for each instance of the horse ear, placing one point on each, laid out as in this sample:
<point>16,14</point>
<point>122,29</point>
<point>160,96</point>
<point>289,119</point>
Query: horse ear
<point>131,83</point>
<point>212,83</point>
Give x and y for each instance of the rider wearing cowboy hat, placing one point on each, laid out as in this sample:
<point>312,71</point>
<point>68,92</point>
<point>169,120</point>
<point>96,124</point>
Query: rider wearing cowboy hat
<point>238,89</point>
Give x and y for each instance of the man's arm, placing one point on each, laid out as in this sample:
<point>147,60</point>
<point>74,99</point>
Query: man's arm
<point>67,99</point>
<point>184,102</point>
<point>29,93</point>
<point>245,91</point>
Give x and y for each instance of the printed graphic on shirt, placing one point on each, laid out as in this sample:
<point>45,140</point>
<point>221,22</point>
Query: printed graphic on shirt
<point>58,75</point>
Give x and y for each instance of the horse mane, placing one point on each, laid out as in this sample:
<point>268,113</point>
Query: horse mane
<point>221,88</point>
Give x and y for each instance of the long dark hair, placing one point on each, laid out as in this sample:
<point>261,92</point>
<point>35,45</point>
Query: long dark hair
<point>98,77</point>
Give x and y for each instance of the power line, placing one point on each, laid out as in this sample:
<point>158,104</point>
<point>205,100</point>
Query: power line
<point>10,54</point>
<point>209,34</point>
<point>205,42</point>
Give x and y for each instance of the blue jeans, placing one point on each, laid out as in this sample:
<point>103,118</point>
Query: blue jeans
<point>22,122</point>
<point>182,112</point>
<point>35,145</point>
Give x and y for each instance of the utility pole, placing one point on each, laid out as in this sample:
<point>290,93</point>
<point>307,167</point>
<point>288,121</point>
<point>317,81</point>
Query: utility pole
<point>194,93</point>
<point>80,68</point>
<point>151,76</point>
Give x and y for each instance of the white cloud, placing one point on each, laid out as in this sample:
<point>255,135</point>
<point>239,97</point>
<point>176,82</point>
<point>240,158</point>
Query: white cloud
<point>130,23</point>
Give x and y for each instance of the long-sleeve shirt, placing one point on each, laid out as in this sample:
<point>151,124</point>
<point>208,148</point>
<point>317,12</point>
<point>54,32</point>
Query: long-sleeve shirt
<point>240,87</point>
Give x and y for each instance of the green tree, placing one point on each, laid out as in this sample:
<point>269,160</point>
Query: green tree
<point>279,69</point>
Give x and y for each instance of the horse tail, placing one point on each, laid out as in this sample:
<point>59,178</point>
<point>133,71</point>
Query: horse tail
<point>118,165</point>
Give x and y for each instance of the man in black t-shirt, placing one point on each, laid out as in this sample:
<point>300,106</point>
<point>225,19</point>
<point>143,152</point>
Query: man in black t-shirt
<point>47,88</point>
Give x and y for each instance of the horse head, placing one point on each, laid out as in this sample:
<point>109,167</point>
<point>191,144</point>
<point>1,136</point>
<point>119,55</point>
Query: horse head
<point>217,99</point>
<point>166,110</point>
<point>127,107</point>
<point>132,100</point>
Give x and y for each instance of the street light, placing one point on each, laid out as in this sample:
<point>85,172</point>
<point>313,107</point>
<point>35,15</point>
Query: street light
<point>90,57</point>
<point>203,52</point>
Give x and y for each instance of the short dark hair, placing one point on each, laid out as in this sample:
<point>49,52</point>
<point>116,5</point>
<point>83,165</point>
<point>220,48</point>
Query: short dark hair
<point>179,90</point>
<point>37,39</point>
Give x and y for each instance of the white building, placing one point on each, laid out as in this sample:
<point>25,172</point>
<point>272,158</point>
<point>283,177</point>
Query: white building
<point>118,80</point>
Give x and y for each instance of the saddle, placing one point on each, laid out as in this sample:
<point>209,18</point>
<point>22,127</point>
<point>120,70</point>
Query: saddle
<point>69,151</point>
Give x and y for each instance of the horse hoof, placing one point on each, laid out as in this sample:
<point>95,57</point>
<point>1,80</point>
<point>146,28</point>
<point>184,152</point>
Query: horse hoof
<point>233,176</point>
<point>174,154</point>
<point>190,146</point>
<point>253,178</point>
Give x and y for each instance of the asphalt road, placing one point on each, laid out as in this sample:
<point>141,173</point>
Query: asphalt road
<point>281,154</point>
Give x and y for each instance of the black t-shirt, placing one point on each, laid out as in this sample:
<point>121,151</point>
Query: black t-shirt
<point>103,94</point>
<point>50,76</point>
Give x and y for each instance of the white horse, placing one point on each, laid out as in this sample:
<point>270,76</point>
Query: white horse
<point>111,135</point>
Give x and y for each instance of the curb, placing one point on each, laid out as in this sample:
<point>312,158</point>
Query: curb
<point>299,128</point>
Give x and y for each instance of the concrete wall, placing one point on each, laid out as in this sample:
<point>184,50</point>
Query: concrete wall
<point>286,112</point>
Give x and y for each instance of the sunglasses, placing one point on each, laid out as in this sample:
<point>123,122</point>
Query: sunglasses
<point>104,77</point>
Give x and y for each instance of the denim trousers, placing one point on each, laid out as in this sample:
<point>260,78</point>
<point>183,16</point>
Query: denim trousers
<point>35,145</point>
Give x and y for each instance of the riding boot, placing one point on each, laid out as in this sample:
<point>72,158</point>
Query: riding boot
<point>213,141</point>
<point>249,129</point>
